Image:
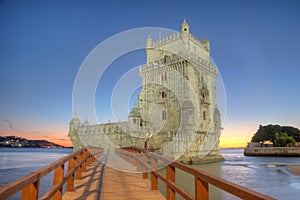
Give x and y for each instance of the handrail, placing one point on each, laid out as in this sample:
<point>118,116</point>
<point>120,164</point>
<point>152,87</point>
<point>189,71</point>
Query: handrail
<point>137,155</point>
<point>77,162</point>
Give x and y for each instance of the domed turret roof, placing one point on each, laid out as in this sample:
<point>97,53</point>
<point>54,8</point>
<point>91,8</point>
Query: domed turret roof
<point>75,119</point>
<point>135,111</point>
<point>184,27</point>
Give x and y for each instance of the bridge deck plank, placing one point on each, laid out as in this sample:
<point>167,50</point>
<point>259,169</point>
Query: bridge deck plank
<point>117,185</point>
<point>122,186</point>
<point>87,187</point>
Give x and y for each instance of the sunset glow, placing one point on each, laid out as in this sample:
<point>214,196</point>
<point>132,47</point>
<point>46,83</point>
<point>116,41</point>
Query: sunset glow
<point>254,45</point>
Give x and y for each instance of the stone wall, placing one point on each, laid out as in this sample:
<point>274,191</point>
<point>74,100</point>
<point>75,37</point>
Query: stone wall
<point>272,151</point>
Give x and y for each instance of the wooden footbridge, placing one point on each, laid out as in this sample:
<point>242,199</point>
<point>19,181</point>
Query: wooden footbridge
<point>128,173</point>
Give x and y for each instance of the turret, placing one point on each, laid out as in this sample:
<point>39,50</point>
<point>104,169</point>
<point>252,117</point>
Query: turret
<point>86,122</point>
<point>149,45</point>
<point>206,44</point>
<point>73,132</point>
<point>217,119</point>
<point>75,122</point>
<point>149,42</point>
<point>135,117</point>
<point>184,27</point>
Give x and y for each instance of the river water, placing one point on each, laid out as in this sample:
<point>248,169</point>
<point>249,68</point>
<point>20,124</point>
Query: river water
<point>18,162</point>
<point>267,175</point>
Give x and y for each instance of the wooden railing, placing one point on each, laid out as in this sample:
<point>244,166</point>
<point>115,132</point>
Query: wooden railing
<point>30,184</point>
<point>141,159</point>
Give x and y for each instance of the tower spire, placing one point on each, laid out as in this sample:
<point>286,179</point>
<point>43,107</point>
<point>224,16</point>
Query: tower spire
<point>86,122</point>
<point>149,42</point>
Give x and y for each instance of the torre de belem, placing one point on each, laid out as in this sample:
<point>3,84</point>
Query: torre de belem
<point>176,114</point>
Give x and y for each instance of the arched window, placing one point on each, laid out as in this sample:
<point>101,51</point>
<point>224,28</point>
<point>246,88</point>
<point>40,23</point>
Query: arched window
<point>204,115</point>
<point>164,115</point>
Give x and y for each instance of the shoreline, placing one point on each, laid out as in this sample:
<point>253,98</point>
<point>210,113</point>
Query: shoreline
<point>294,169</point>
<point>272,151</point>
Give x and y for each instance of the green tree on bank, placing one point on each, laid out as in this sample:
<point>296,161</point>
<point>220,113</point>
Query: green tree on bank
<point>283,140</point>
<point>281,136</point>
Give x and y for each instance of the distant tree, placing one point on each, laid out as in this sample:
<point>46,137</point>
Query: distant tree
<point>283,140</point>
<point>292,131</point>
<point>290,141</point>
<point>280,136</point>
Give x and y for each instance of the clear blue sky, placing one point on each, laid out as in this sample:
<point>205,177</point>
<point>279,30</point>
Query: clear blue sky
<point>43,43</point>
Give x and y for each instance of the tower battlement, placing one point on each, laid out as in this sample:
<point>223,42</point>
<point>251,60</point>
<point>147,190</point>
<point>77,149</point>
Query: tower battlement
<point>174,37</point>
<point>181,43</point>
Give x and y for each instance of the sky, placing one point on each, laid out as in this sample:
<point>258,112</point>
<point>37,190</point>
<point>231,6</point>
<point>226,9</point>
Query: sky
<point>255,45</point>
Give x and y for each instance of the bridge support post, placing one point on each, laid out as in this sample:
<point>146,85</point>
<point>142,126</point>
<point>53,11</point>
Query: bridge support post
<point>84,154</point>
<point>154,178</point>
<point>31,191</point>
<point>91,157</point>
<point>79,169</point>
<point>57,179</point>
<point>70,183</point>
<point>145,170</point>
<point>137,164</point>
<point>170,178</point>
<point>201,189</point>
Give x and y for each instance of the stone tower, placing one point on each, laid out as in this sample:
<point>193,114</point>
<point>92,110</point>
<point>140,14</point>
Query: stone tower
<point>177,100</point>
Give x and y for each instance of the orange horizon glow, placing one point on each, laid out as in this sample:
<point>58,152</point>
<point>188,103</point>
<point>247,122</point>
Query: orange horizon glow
<point>224,142</point>
<point>59,137</point>
<point>66,143</point>
<point>231,137</point>
<point>232,144</point>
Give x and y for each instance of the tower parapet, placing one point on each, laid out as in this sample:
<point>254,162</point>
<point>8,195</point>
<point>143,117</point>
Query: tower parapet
<point>180,43</point>
<point>173,37</point>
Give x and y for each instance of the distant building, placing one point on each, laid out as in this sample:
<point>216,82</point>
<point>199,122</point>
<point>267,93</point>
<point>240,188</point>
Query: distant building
<point>260,144</point>
<point>176,110</point>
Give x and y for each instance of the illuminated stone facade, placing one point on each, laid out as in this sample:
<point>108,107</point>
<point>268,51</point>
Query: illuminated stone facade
<point>176,114</point>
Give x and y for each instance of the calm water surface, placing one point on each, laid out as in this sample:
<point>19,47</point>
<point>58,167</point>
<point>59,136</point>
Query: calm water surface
<point>267,175</point>
<point>16,163</point>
